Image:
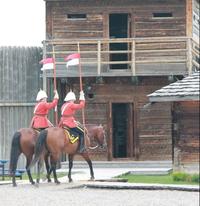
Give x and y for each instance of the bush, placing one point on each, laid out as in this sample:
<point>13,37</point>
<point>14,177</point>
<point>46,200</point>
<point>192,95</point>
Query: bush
<point>196,178</point>
<point>180,176</point>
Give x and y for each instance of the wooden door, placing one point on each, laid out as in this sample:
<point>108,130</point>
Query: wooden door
<point>122,135</point>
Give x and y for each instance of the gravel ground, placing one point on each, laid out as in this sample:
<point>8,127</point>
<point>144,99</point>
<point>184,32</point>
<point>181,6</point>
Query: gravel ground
<point>74,194</point>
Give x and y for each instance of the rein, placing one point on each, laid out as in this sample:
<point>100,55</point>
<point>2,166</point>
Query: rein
<point>98,145</point>
<point>95,147</point>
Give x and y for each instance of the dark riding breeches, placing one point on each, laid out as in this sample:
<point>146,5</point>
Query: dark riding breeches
<point>78,130</point>
<point>80,133</point>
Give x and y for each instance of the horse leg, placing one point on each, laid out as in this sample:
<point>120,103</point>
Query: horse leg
<point>47,167</point>
<point>13,170</point>
<point>70,159</point>
<point>28,161</point>
<point>88,160</point>
<point>14,155</point>
<point>39,165</point>
<point>53,169</point>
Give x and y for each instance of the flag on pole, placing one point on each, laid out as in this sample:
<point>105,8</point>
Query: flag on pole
<point>72,59</point>
<point>48,63</point>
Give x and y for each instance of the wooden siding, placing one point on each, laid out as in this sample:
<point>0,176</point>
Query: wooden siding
<point>19,84</point>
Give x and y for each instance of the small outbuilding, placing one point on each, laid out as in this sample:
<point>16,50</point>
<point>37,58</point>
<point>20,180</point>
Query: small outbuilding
<point>184,98</point>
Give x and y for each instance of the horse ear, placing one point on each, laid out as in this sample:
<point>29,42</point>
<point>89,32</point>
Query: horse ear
<point>103,126</point>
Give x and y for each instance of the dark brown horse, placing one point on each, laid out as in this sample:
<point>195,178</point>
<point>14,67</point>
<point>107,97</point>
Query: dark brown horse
<point>55,141</point>
<point>23,142</point>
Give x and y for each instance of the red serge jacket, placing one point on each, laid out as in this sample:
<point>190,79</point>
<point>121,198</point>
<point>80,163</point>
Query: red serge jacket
<point>68,111</point>
<point>41,110</point>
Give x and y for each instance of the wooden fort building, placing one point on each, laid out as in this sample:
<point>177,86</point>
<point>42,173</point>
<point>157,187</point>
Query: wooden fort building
<point>128,50</point>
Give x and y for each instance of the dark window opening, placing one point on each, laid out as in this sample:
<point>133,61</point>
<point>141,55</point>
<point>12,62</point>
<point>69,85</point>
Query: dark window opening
<point>120,129</point>
<point>118,28</point>
<point>76,16</point>
<point>162,15</point>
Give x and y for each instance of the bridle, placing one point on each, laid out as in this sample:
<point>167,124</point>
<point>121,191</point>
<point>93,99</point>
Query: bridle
<point>98,144</point>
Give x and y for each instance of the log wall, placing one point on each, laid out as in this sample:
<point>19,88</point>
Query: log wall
<point>151,126</point>
<point>96,25</point>
<point>187,138</point>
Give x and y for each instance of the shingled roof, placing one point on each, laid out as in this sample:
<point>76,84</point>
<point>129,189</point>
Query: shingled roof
<point>186,89</point>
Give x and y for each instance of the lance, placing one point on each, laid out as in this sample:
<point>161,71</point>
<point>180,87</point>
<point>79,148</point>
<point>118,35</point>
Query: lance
<point>81,88</point>
<point>54,86</point>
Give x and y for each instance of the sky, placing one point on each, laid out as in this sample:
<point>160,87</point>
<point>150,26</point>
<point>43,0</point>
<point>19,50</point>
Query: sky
<point>22,22</point>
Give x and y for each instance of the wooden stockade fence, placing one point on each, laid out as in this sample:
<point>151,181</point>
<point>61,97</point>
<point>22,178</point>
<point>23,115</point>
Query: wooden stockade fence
<point>19,84</point>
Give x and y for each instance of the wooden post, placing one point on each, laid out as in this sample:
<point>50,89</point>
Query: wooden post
<point>189,16</point>
<point>189,56</point>
<point>99,59</point>
<point>81,88</point>
<point>80,70</point>
<point>133,58</point>
<point>44,79</point>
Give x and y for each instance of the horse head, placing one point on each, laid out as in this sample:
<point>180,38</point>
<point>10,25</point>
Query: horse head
<point>101,137</point>
<point>97,132</point>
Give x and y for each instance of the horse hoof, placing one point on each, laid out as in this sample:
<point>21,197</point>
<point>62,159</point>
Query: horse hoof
<point>14,185</point>
<point>44,179</point>
<point>36,185</point>
<point>49,180</point>
<point>57,182</point>
<point>92,179</point>
<point>33,183</point>
<point>70,180</point>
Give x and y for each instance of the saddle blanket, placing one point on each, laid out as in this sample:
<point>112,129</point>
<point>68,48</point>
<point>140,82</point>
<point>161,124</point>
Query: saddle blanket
<point>73,136</point>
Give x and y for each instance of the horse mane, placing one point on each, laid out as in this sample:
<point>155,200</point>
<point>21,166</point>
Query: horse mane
<point>93,125</point>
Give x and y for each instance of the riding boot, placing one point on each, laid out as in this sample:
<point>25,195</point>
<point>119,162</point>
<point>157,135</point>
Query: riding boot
<point>81,145</point>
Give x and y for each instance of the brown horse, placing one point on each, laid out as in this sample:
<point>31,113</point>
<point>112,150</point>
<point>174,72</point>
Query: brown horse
<point>23,142</point>
<point>55,141</point>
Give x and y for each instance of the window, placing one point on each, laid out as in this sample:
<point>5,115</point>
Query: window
<point>162,15</point>
<point>76,16</point>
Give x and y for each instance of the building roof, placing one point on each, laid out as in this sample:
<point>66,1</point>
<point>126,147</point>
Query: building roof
<point>186,89</point>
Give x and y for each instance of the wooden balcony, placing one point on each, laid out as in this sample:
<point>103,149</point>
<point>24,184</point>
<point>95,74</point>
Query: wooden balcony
<point>125,57</point>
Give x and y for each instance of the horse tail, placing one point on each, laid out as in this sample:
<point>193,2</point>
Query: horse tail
<point>39,147</point>
<point>15,152</point>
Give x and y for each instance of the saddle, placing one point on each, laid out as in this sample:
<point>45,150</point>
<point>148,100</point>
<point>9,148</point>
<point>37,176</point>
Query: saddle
<point>73,136</point>
<point>37,130</point>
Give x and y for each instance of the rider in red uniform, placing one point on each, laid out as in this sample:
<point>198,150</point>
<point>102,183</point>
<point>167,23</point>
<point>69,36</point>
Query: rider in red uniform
<point>40,120</point>
<point>68,110</point>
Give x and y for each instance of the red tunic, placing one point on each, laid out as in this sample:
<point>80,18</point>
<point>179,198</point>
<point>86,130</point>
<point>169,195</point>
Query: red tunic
<point>41,110</point>
<point>68,111</point>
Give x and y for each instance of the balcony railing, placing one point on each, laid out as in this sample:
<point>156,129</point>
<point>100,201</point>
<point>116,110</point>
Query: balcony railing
<point>125,57</point>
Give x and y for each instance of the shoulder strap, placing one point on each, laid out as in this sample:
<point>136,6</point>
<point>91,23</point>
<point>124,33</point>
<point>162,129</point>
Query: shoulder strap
<point>63,109</point>
<point>36,107</point>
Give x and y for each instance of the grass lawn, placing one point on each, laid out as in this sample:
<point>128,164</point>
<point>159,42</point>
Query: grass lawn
<point>34,176</point>
<point>162,179</point>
